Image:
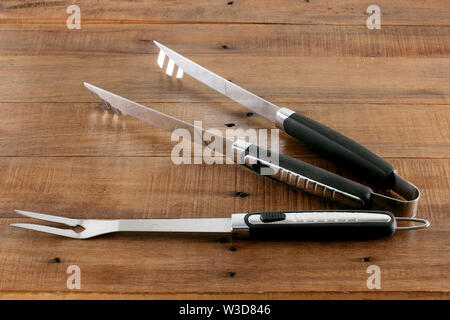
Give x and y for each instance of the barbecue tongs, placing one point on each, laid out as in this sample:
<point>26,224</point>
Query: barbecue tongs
<point>298,174</point>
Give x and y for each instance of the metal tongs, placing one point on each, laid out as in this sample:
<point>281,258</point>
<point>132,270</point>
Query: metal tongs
<point>321,139</point>
<point>293,172</point>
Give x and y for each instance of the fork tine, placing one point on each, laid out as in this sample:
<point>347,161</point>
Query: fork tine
<point>61,232</point>
<point>47,217</point>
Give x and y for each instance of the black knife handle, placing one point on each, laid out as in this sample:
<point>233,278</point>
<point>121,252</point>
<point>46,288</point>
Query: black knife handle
<point>304,176</point>
<point>318,225</point>
<point>337,147</point>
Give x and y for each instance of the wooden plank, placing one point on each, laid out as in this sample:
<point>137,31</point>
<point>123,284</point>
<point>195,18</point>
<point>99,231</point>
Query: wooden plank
<point>253,40</point>
<point>152,187</point>
<point>347,12</point>
<point>283,80</point>
<point>158,188</point>
<point>305,295</point>
<point>141,187</point>
<point>80,129</point>
<point>387,89</point>
<point>170,264</point>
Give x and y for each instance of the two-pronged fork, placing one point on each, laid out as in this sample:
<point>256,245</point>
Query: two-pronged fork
<point>292,225</point>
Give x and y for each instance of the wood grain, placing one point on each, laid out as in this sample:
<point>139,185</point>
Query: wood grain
<point>333,295</point>
<point>81,129</point>
<point>387,89</point>
<point>142,187</point>
<point>283,80</point>
<point>258,40</point>
<point>150,263</point>
<point>343,12</point>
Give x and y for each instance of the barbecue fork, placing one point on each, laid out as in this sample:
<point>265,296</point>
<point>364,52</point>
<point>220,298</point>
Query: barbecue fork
<point>289,225</point>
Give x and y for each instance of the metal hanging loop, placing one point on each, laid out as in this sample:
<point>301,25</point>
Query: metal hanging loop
<point>424,223</point>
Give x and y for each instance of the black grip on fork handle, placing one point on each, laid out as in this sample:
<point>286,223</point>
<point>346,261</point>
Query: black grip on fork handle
<point>308,178</point>
<point>334,228</point>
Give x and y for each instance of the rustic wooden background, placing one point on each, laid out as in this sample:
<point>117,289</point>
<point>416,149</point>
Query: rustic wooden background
<point>388,89</point>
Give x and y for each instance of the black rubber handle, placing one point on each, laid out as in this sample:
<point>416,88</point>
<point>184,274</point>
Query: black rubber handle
<point>324,177</point>
<point>274,227</point>
<point>340,149</point>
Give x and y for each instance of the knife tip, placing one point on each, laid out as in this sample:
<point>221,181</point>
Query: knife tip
<point>159,45</point>
<point>87,85</point>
